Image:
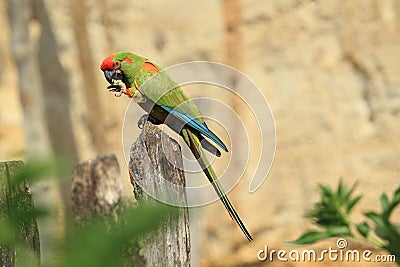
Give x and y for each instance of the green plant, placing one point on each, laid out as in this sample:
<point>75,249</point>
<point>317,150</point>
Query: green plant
<point>332,215</point>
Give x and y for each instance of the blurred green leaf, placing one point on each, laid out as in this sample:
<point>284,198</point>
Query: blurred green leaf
<point>352,202</point>
<point>97,244</point>
<point>36,170</point>
<point>343,192</point>
<point>310,237</point>
<point>326,193</point>
<point>335,230</point>
<point>26,257</point>
<point>375,217</point>
<point>6,233</point>
<point>335,206</point>
<point>396,195</point>
<point>363,229</point>
<point>20,215</point>
<point>384,201</point>
<point>391,205</point>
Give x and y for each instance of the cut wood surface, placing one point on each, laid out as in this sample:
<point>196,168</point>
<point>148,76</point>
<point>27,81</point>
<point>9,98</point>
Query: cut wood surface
<point>155,163</point>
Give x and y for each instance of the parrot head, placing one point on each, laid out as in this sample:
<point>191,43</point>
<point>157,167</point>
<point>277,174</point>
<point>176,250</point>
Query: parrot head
<point>119,70</point>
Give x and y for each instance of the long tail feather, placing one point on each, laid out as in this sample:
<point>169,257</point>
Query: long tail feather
<point>194,144</point>
<point>209,147</point>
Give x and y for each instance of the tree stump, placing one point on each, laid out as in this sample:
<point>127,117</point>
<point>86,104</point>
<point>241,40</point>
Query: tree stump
<point>96,188</point>
<point>15,205</point>
<point>155,164</point>
<point>97,192</point>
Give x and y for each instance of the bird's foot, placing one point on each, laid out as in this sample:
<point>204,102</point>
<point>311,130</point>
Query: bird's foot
<point>117,86</point>
<point>146,117</point>
<point>142,121</point>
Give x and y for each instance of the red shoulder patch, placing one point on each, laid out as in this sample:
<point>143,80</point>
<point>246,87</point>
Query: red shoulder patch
<point>127,59</point>
<point>107,63</point>
<point>150,67</point>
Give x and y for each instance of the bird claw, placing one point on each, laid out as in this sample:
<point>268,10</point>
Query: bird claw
<point>142,121</point>
<point>117,86</point>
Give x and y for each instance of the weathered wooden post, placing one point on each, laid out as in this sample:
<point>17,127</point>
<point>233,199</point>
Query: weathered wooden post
<point>156,161</point>
<point>96,188</point>
<point>97,192</point>
<point>16,200</point>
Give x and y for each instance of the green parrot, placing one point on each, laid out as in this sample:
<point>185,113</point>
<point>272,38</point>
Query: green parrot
<point>166,103</point>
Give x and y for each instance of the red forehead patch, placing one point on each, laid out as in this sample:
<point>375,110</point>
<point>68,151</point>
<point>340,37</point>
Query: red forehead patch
<point>150,67</point>
<point>107,63</point>
<point>127,59</point>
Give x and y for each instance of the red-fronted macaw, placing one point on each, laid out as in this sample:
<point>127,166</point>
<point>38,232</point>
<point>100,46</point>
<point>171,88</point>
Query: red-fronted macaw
<point>165,102</point>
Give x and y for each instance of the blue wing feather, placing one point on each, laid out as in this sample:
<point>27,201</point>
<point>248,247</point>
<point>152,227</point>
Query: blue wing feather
<point>195,124</point>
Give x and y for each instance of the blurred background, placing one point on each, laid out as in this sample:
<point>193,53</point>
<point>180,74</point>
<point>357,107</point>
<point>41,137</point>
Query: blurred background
<point>329,70</point>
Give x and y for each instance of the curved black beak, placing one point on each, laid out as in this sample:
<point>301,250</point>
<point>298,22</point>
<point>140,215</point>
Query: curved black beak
<point>115,78</point>
<point>110,75</point>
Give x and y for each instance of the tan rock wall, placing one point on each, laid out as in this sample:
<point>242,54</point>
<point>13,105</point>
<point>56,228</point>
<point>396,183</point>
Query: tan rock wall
<point>329,69</point>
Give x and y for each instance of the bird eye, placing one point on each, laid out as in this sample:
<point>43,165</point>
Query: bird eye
<point>117,65</point>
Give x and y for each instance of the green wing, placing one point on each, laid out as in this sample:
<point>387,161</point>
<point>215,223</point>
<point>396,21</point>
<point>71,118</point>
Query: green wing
<point>161,89</point>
